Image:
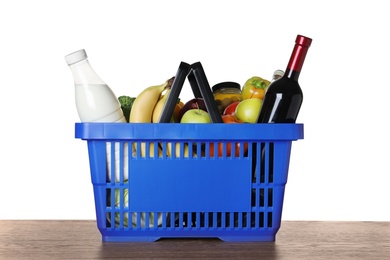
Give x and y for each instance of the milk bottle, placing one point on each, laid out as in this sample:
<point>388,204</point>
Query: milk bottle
<point>96,102</point>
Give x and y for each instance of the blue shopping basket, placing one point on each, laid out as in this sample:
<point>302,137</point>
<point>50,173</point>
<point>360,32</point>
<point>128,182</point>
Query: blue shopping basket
<point>170,180</point>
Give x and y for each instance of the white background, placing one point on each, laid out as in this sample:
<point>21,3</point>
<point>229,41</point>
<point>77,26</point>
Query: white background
<point>340,171</point>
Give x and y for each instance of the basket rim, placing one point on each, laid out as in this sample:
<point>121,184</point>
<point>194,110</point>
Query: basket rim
<point>188,132</point>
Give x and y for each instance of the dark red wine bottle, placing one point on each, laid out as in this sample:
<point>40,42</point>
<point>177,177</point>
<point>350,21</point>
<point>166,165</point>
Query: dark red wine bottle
<point>281,103</point>
<point>284,97</point>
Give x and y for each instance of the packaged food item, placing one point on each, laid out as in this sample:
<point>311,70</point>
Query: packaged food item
<point>284,96</point>
<point>226,93</point>
<point>277,75</point>
<point>95,101</point>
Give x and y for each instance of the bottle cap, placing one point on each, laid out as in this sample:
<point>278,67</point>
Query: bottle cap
<point>227,84</point>
<point>76,57</point>
<point>278,73</point>
<point>303,40</point>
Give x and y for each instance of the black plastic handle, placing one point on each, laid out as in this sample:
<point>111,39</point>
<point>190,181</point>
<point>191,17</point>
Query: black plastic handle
<point>200,88</point>
<point>205,90</point>
<point>194,85</point>
<point>177,85</point>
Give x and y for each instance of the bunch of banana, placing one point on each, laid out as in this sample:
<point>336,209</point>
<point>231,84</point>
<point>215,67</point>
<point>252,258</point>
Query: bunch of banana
<point>145,103</point>
<point>143,108</point>
<point>147,108</point>
<point>158,108</point>
<point>176,152</point>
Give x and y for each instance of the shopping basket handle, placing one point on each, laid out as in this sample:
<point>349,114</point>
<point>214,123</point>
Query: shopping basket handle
<point>169,106</point>
<point>200,88</point>
<point>205,90</point>
<point>194,84</point>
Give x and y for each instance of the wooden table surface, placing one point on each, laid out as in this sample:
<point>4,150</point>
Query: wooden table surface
<point>80,239</point>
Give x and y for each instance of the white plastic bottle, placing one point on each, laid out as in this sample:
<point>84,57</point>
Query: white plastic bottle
<point>96,102</point>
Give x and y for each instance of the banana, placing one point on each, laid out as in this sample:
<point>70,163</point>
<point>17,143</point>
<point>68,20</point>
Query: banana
<point>144,103</point>
<point>142,111</point>
<point>157,111</point>
<point>143,149</point>
<point>176,152</point>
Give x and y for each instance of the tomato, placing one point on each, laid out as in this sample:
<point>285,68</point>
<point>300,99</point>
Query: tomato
<point>228,149</point>
<point>231,108</point>
<point>231,119</point>
<point>228,119</point>
<point>254,87</point>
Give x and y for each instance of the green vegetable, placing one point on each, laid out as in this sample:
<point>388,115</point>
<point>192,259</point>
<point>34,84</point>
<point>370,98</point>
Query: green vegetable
<point>126,104</point>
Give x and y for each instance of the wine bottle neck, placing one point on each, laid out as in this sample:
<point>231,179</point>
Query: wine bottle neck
<point>298,56</point>
<point>292,74</point>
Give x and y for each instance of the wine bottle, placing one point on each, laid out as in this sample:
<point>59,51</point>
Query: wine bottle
<point>281,104</point>
<point>284,96</point>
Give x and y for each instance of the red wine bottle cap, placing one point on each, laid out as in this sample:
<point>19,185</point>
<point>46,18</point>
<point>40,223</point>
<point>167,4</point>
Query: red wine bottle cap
<point>298,55</point>
<point>303,40</point>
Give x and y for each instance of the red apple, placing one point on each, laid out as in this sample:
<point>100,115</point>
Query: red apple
<point>195,116</point>
<point>196,103</point>
<point>231,109</point>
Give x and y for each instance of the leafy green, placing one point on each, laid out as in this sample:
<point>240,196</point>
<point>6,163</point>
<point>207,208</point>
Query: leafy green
<point>126,104</point>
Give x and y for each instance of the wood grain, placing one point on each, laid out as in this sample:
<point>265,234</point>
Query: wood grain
<point>53,239</point>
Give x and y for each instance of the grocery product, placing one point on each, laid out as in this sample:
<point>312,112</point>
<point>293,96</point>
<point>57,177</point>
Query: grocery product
<point>195,103</point>
<point>226,93</point>
<point>95,102</point>
<point>248,110</point>
<point>284,97</point>
<point>277,75</point>
<point>145,102</point>
<point>126,104</point>
<point>195,115</point>
<point>158,108</point>
<point>254,87</point>
<point>142,112</point>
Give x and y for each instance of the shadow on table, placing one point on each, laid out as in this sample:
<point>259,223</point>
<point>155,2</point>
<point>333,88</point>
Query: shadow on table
<point>188,248</point>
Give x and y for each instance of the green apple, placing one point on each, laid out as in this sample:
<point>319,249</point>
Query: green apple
<point>195,115</point>
<point>248,110</point>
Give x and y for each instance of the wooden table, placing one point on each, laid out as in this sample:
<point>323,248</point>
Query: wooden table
<point>80,239</point>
